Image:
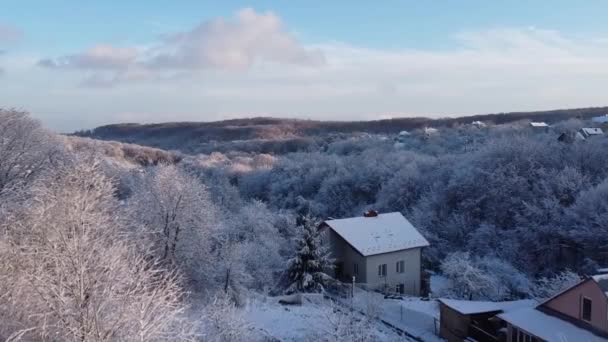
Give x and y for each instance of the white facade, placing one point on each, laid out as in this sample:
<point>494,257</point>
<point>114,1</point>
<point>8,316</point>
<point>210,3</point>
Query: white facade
<point>381,252</point>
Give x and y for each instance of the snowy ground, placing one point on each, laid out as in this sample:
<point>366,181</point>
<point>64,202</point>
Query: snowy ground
<point>311,321</point>
<point>418,317</point>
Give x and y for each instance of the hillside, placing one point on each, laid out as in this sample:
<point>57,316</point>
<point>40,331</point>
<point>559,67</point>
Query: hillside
<point>275,135</point>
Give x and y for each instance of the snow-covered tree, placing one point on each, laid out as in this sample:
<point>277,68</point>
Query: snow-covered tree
<point>75,272</point>
<point>547,287</point>
<point>306,270</point>
<point>467,280</point>
<point>176,208</point>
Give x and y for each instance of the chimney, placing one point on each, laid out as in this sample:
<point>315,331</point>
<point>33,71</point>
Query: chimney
<point>370,213</point>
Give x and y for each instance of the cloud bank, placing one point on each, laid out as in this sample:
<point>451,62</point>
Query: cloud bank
<point>248,39</point>
<point>251,65</point>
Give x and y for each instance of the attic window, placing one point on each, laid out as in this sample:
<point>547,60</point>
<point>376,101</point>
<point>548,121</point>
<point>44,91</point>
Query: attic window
<point>586,309</point>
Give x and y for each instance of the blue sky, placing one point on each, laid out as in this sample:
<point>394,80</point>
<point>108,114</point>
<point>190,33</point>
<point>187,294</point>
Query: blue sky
<point>77,64</point>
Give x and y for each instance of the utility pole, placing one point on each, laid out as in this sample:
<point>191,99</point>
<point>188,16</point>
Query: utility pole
<point>352,294</point>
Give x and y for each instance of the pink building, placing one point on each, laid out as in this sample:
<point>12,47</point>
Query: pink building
<point>579,313</point>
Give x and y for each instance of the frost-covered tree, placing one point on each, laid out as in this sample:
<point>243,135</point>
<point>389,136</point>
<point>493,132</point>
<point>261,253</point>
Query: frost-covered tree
<point>175,207</point>
<point>306,270</point>
<point>27,151</point>
<point>467,280</point>
<point>547,287</point>
<point>74,270</point>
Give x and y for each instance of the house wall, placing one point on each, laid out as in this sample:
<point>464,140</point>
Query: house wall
<point>410,277</point>
<point>343,252</point>
<point>453,325</point>
<point>569,304</point>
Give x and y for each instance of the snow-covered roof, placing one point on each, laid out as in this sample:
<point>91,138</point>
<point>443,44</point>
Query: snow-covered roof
<point>538,124</point>
<point>404,133</point>
<point>430,130</point>
<point>600,119</point>
<point>547,327</point>
<point>592,131</point>
<point>602,281</point>
<point>478,123</point>
<point>380,234</point>
<point>471,307</point>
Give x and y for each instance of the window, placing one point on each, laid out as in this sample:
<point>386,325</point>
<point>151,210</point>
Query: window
<point>382,270</point>
<point>586,309</point>
<point>400,266</point>
<point>514,332</point>
<point>356,269</point>
<point>521,336</point>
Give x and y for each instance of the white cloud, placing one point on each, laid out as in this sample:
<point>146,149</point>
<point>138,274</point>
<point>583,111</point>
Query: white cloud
<point>250,38</point>
<point>218,43</point>
<point>101,56</point>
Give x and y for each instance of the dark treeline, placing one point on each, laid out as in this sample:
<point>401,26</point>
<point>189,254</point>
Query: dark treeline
<point>279,136</point>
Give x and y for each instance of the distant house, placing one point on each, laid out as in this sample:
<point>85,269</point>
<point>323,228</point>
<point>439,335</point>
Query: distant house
<point>601,119</point>
<point>570,137</point>
<point>381,250</point>
<point>428,131</point>
<point>479,124</point>
<point>579,313</point>
<point>589,132</point>
<point>539,126</point>
<point>464,320</point>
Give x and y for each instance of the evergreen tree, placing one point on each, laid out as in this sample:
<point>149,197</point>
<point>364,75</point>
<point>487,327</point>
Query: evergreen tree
<point>306,270</point>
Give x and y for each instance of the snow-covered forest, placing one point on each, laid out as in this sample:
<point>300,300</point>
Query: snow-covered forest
<point>104,241</point>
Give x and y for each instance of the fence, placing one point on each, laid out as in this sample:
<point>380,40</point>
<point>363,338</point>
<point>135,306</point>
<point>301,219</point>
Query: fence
<point>415,317</point>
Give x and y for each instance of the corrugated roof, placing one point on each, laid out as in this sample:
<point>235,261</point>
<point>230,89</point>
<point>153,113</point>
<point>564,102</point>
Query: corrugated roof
<point>384,233</point>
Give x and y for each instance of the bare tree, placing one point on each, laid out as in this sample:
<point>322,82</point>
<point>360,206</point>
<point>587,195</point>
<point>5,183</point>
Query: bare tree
<point>75,273</point>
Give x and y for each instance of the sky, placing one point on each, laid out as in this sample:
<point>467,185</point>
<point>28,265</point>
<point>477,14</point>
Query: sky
<point>81,64</point>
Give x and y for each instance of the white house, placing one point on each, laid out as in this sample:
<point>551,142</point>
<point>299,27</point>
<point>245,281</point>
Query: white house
<point>589,132</point>
<point>381,250</point>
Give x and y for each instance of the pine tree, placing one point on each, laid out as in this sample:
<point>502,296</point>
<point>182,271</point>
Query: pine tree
<point>306,270</point>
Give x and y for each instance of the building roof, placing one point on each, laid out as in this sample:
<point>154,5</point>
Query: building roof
<point>600,119</point>
<point>592,131</point>
<point>547,327</point>
<point>471,307</point>
<point>538,124</point>
<point>380,234</point>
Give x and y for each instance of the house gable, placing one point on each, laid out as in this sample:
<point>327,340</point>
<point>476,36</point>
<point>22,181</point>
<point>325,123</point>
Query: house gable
<point>569,304</point>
